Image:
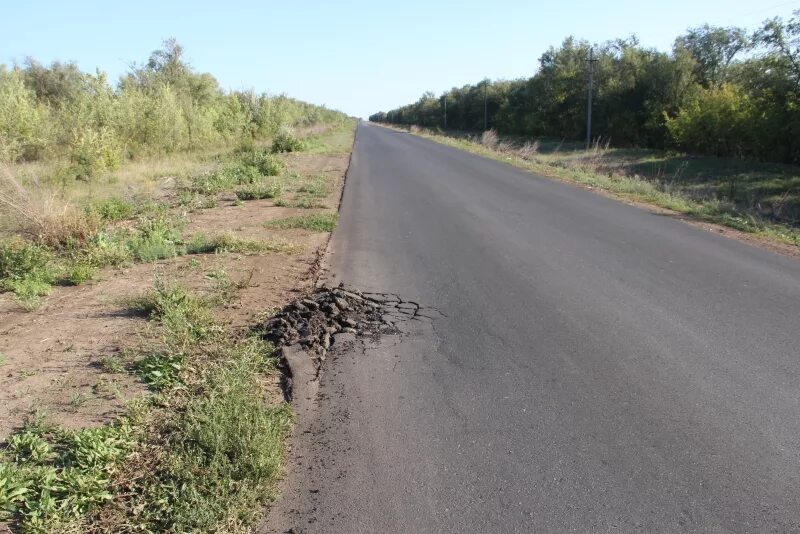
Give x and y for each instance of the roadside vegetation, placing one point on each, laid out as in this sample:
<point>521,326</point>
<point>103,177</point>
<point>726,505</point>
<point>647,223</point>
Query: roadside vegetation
<point>607,169</point>
<point>708,129</point>
<point>99,181</point>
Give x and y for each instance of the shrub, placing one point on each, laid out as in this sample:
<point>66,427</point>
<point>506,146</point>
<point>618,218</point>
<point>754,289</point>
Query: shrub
<point>286,141</point>
<point>19,259</point>
<point>94,152</point>
<point>112,209</point>
<point>267,164</point>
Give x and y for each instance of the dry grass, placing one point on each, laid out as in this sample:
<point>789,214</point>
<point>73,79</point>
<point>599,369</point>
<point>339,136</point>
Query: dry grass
<point>38,213</point>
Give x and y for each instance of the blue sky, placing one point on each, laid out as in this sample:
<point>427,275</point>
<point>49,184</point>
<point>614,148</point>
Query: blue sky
<point>357,56</point>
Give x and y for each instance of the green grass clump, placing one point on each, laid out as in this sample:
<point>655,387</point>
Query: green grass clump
<point>155,239</point>
<point>286,141</point>
<point>203,244</point>
<point>112,209</point>
<point>316,188</point>
<point>302,202</point>
<point>260,190</point>
<point>224,452</point>
<point>185,318</point>
<point>317,222</point>
<point>192,200</point>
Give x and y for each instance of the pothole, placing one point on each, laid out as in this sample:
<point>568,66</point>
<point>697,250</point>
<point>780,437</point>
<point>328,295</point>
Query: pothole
<point>308,327</point>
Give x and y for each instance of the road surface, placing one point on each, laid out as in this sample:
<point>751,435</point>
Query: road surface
<point>596,367</point>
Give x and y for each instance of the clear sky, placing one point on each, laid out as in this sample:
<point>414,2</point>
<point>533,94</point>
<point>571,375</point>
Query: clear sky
<point>357,56</point>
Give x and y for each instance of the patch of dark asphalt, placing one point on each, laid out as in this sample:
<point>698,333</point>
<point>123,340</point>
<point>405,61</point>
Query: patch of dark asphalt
<point>309,326</point>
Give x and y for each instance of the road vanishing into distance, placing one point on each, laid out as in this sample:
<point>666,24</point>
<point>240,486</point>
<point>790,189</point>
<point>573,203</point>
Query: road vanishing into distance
<point>589,366</point>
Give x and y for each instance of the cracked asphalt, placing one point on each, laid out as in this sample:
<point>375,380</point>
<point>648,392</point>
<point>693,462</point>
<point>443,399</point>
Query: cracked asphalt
<point>595,367</point>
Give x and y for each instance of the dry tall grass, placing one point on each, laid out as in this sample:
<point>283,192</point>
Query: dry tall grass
<point>39,214</point>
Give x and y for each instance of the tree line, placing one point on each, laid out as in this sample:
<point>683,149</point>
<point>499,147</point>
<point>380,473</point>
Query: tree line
<point>722,91</point>
<point>160,106</point>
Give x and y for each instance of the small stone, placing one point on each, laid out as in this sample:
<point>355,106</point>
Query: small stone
<point>341,303</point>
<point>310,304</point>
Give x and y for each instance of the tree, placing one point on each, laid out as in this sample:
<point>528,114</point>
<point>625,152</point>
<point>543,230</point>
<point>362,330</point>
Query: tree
<point>714,48</point>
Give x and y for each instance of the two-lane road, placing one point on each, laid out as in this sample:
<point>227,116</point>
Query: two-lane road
<point>597,367</point>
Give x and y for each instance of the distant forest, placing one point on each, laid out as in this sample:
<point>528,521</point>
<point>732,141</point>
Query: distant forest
<point>719,91</point>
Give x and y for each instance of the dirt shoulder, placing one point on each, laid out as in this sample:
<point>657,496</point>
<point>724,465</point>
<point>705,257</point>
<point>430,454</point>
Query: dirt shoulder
<point>75,362</point>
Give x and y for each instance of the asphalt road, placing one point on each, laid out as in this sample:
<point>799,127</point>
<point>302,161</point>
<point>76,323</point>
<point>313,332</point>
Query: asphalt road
<point>597,367</point>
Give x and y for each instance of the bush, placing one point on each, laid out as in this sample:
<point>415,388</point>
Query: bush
<point>267,164</point>
<point>286,141</point>
<point>94,152</point>
<point>112,209</point>
<point>19,259</point>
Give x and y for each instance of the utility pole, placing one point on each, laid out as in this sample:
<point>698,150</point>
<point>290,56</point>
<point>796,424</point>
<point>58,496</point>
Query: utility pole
<point>485,106</point>
<point>445,111</point>
<point>592,61</point>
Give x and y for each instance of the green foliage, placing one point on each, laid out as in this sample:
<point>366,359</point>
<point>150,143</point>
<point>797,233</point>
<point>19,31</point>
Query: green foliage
<point>50,477</point>
<point>156,238</point>
<point>266,164</point>
<point>317,222</point>
<point>286,141</point>
<point>718,121</point>
<point>706,96</point>
<point>23,120</point>
<point>161,371</point>
<point>113,209</point>
<point>316,188</point>
<point>260,190</point>
<point>202,244</point>
<point>225,450</point>
<point>161,106</point>
<point>185,318</point>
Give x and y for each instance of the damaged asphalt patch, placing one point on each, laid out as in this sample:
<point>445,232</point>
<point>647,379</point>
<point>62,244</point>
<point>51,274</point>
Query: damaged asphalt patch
<point>307,328</point>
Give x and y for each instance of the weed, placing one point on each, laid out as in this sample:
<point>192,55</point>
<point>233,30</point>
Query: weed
<point>156,239</point>
<point>160,370</point>
<point>315,188</point>
<point>52,476</point>
<point>79,273</point>
<point>76,400</point>
<point>224,450</point>
<point>302,202</point>
<point>3,359</point>
<point>112,364</point>
<point>260,190</point>
<point>202,244</point>
<point>112,209</point>
<point>317,222</point>
<point>184,317</point>
<point>192,200</point>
